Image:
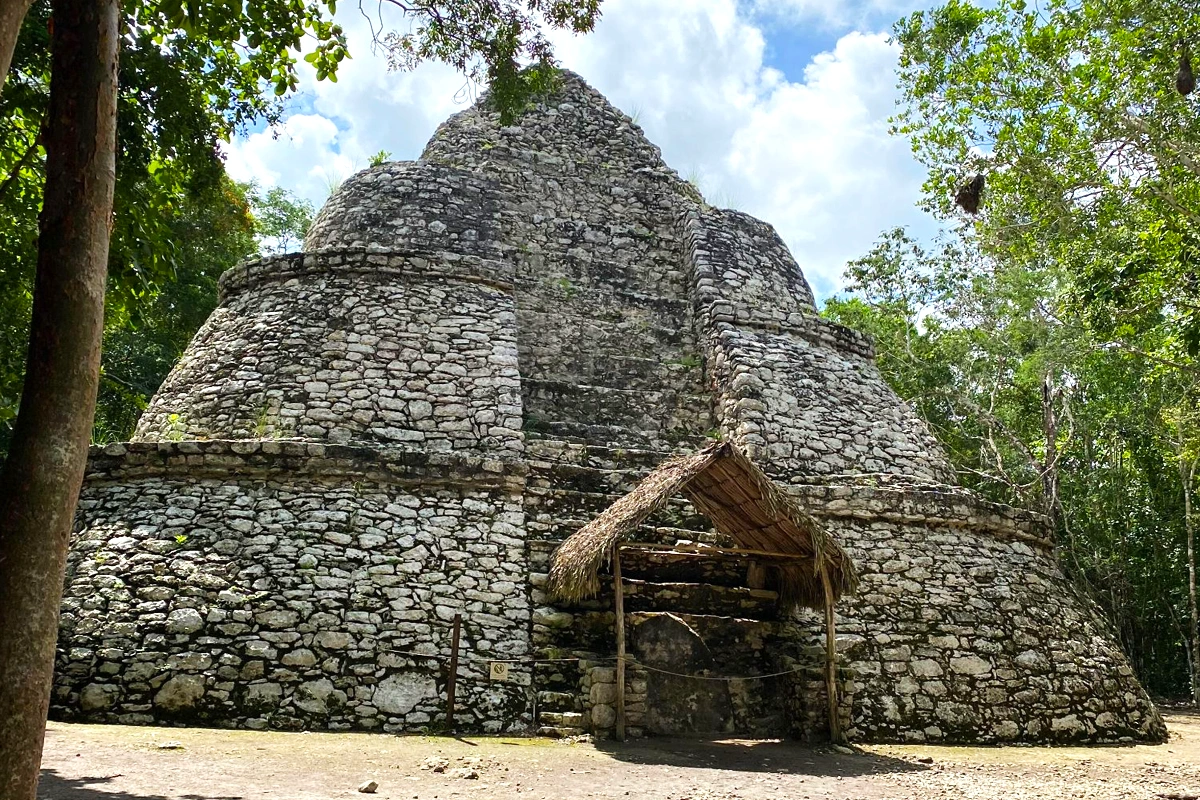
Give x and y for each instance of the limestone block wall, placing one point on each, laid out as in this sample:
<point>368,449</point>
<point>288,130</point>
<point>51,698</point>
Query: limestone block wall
<point>812,410</point>
<point>964,627</point>
<point>606,344</point>
<point>584,188</point>
<point>352,347</point>
<point>412,206</point>
<point>801,395</point>
<point>293,586</point>
<point>753,274</point>
<point>598,689</point>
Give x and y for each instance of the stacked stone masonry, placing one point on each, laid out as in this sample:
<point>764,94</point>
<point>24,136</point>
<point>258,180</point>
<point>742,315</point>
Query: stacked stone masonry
<point>477,353</point>
<point>352,347</point>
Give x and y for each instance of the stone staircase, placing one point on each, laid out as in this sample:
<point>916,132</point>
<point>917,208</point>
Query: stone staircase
<point>559,715</point>
<point>640,415</point>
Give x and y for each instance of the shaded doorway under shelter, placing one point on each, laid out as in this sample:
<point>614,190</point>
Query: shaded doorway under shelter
<point>690,672</point>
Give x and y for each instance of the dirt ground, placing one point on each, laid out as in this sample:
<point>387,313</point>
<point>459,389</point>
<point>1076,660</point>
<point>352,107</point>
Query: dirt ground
<point>95,762</point>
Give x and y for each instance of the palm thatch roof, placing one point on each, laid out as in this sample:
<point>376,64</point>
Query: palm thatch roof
<point>741,501</point>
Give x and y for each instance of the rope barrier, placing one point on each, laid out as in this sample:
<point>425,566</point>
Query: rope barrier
<point>721,677</point>
<point>594,659</point>
<point>485,660</point>
<point>634,664</point>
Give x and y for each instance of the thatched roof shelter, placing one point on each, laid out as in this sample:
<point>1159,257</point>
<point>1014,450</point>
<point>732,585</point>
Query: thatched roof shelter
<point>742,503</point>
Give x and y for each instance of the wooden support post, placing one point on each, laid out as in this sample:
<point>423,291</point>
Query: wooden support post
<point>619,592</point>
<point>835,723</point>
<point>452,679</point>
<point>756,576</point>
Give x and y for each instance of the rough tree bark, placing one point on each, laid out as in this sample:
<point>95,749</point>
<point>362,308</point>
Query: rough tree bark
<point>40,481</point>
<point>1188,475</point>
<point>1049,465</point>
<point>12,14</point>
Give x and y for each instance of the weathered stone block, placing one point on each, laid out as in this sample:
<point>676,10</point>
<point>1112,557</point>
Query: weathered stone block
<point>184,620</point>
<point>180,693</point>
<point>98,697</point>
<point>970,665</point>
<point>400,694</point>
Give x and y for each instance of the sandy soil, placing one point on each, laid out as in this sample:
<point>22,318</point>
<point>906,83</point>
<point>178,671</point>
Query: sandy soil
<point>95,762</point>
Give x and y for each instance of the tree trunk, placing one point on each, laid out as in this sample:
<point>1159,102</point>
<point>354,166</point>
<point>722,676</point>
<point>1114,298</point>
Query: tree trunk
<point>1049,466</point>
<point>12,14</point>
<point>39,483</point>
<point>1188,474</point>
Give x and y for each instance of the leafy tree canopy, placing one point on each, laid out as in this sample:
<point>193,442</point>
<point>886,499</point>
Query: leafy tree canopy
<point>1051,336</point>
<point>1034,410</point>
<point>281,218</point>
<point>1071,111</point>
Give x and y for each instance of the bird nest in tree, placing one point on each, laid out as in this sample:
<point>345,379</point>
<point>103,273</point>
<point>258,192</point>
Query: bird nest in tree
<point>742,503</point>
<point>970,193</point>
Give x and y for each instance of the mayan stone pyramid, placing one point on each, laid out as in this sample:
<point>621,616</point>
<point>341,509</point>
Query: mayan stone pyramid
<point>477,353</point>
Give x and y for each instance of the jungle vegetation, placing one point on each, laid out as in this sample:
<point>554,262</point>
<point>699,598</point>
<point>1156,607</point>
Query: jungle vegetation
<point>1050,336</point>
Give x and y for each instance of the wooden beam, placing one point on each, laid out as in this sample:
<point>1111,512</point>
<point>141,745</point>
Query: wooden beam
<point>756,575</point>
<point>835,723</point>
<point>452,680</point>
<point>703,550</point>
<point>619,593</point>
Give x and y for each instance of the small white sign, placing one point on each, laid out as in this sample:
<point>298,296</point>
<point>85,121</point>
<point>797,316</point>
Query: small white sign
<point>499,671</point>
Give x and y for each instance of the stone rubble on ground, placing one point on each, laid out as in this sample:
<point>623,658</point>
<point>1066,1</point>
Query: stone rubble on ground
<point>435,764</point>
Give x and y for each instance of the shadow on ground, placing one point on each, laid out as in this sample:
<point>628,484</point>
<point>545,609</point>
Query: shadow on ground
<point>1181,713</point>
<point>754,755</point>
<point>52,786</point>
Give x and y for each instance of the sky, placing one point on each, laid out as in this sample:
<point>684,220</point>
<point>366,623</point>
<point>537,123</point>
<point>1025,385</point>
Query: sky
<point>778,108</point>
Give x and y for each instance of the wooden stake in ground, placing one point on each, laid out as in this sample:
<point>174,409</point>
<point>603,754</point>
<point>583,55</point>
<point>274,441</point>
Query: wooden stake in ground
<point>835,723</point>
<point>619,592</point>
<point>452,678</point>
<point>1187,475</point>
<point>40,480</point>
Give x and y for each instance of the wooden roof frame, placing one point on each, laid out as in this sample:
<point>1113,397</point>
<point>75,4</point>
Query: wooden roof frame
<point>741,501</point>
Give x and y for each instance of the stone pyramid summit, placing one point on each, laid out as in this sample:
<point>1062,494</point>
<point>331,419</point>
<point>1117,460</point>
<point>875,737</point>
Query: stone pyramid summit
<point>475,354</point>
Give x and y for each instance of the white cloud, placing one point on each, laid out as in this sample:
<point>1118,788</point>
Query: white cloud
<point>815,158</point>
<point>692,73</point>
<point>810,155</point>
<point>301,153</point>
